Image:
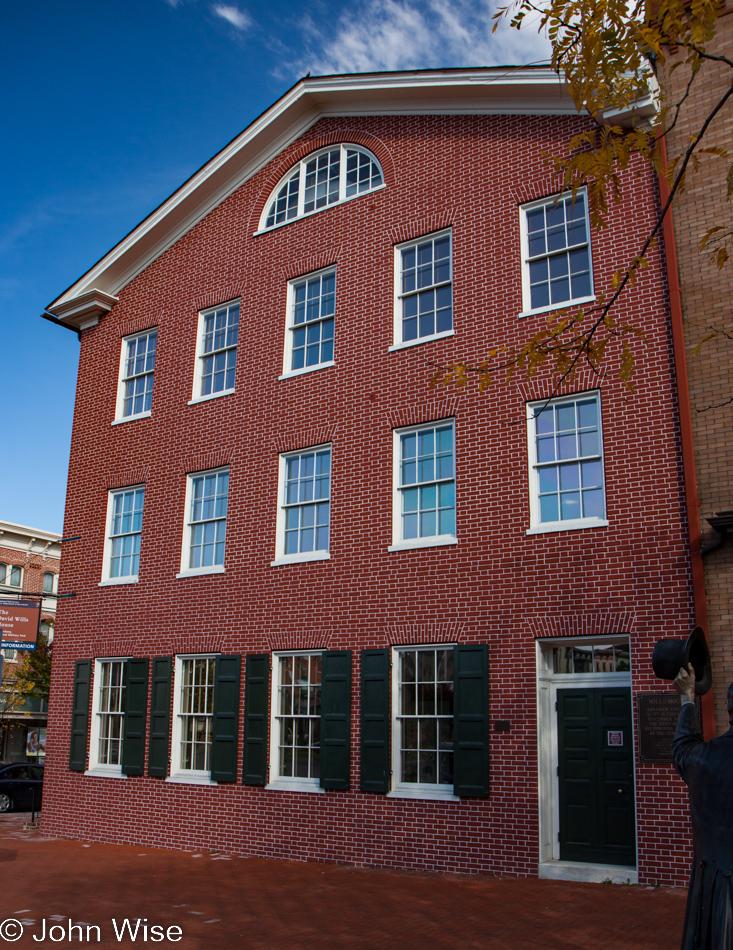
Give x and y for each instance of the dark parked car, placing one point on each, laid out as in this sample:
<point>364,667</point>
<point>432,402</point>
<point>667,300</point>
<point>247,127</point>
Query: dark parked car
<point>21,786</point>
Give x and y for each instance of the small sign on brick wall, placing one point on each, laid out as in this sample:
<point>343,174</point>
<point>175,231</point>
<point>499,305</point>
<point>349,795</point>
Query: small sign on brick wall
<point>658,714</point>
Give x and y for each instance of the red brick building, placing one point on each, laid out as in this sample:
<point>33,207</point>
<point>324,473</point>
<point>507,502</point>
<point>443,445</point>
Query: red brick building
<point>322,610</point>
<point>29,567</point>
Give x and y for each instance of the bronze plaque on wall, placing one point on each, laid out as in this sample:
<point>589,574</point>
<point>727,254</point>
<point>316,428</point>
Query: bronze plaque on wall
<point>658,713</point>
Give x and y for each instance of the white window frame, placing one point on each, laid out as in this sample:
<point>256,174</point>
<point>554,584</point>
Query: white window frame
<point>399,296</point>
<point>123,379</point>
<point>176,772</point>
<point>95,766</point>
<point>201,356</point>
<point>300,168</point>
<point>527,309</point>
<point>400,789</point>
<point>431,541</point>
<point>9,568</point>
<point>54,582</point>
<point>299,558</point>
<point>277,781</point>
<point>107,579</point>
<point>542,527</point>
<point>290,326</point>
<point>187,571</point>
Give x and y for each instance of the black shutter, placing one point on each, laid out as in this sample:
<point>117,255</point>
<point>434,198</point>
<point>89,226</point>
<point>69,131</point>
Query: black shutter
<point>471,720</point>
<point>335,719</point>
<point>375,723</point>
<point>256,696</point>
<point>136,716</point>
<point>160,716</point>
<point>80,716</point>
<point>225,724</point>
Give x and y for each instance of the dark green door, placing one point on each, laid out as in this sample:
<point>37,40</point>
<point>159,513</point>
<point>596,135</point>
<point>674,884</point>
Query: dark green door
<point>596,776</point>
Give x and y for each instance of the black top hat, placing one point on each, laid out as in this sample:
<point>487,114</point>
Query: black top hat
<point>670,656</point>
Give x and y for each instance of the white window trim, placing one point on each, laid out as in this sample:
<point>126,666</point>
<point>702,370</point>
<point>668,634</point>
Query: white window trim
<point>95,767</point>
<point>551,527</point>
<point>262,226</point>
<point>290,327</point>
<point>106,580</point>
<point>301,557</point>
<point>120,402</point>
<point>527,309</point>
<point>177,774</point>
<point>196,395</point>
<point>285,783</point>
<point>436,540</point>
<point>186,545</point>
<point>415,790</point>
<point>399,343</point>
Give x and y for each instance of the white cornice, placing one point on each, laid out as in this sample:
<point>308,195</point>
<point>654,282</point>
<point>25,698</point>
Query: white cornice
<point>490,91</point>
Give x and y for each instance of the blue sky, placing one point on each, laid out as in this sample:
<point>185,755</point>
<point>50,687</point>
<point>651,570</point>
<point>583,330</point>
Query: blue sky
<point>108,106</point>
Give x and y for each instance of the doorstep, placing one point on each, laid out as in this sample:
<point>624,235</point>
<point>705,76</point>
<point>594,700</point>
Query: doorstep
<point>590,873</point>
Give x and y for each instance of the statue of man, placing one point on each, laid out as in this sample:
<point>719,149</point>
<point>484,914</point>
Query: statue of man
<point>707,768</point>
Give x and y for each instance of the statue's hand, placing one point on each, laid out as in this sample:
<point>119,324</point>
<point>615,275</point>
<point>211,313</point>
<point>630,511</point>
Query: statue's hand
<point>684,683</point>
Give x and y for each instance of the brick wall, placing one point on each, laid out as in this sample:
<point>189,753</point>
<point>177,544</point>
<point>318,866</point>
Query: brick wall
<point>706,294</point>
<point>496,586</point>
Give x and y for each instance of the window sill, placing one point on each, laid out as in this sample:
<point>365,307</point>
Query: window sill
<point>422,339</point>
<point>100,772</point>
<point>306,369</point>
<point>209,397</point>
<point>426,792</point>
<point>115,581</point>
<point>201,571</point>
<point>301,558</point>
<point>576,525</point>
<point>567,305</point>
<point>140,415</point>
<point>436,542</point>
<point>282,785</point>
<point>181,778</point>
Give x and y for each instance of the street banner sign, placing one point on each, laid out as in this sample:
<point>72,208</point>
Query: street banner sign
<point>19,622</point>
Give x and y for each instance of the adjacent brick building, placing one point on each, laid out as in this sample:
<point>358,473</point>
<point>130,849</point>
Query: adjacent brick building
<point>704,295</point>
<point>324,611</point>
<point>29,566</point>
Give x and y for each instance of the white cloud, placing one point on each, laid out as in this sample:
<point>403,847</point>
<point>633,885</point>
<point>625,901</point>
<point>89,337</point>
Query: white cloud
<point>232,15</point>
<point>418,34</point>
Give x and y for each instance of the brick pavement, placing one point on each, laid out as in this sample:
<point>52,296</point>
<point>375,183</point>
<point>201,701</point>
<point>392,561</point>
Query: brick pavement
<point>222,901</point>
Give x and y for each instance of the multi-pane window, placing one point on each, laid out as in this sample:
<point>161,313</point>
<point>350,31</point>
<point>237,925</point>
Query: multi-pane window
<point>11,575</point>
<point>195,713</point>
<point>136,377</point>
<point>207,521</point>
<point>424,289</point>
<point>331,175</point>
<point>426,490</point>
<point>110,714</point>
<point>298,716</point>
<point>125,531</point>
<point>305,505</point>
<point>566,452</point>
<point>48,582</point>
<point>218,350</point>
<point>557,261</point>
<point>311,314</point>
<point>425,716</point>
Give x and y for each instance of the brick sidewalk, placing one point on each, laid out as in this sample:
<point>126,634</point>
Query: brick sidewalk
<point>222,902</point>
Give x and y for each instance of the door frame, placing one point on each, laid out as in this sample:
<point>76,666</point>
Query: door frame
<point>548,682</point>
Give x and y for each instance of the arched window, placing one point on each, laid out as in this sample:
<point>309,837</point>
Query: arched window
<point>324,178</point>
<point>48,582</point>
